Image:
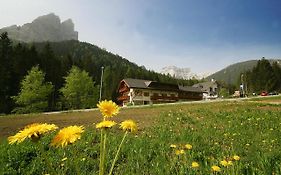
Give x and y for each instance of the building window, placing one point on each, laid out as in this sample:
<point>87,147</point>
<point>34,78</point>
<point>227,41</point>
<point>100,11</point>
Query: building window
<point>146,94</point>
<point>172,95</point>
<point>155,94</point>
<point>138,93</point>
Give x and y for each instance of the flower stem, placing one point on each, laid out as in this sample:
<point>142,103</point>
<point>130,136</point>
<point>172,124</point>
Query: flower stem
<point>117,153</point>
<point>101,153</point>
<point>104,151</point>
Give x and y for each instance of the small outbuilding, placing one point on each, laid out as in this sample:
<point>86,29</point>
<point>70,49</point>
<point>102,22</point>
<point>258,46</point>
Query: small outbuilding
<point>210,89</point>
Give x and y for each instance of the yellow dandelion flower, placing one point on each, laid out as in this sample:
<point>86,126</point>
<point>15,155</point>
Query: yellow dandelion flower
<point>224,163</point>
<point>188,146</point>
<point>235,157</point>
<point>108,108</point>
<point>129,125</point>
<point>229,163</point>
<point>179,152</point>
<point>67,136</point>
<point>33,131</point>
<point>173,146</point>
<point>216,168</point>
<point>105,124</point>
<point>194,165</point>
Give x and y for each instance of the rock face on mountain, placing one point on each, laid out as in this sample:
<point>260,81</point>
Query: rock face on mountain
<point>44,28</point>
<point>181,73</point>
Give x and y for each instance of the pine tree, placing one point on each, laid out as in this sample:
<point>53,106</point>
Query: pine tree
<point>263,77</point>
<point>6,54</point>
<point>277,73</point>
<point>52,66</point>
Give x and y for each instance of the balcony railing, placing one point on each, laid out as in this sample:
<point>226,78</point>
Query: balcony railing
<point>190,97</point>
<point>164,98</point>
<point>124,89</point>
<point>122,98</point>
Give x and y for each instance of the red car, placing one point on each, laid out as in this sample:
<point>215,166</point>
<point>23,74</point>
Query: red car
<point>264,93</point>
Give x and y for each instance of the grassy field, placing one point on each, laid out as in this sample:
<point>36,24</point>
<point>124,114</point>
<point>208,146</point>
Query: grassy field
<point>217,131</point>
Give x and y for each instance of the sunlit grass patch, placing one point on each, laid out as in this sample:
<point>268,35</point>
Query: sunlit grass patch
<point>237,137</point>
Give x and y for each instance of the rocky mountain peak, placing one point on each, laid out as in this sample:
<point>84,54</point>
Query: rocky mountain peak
<point>49,18</point>
<point>44,28</point>
<point>68,25</point>
<point>181,73</point>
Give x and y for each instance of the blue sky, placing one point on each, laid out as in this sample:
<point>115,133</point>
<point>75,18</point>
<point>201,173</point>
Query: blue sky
<point>204,35</point>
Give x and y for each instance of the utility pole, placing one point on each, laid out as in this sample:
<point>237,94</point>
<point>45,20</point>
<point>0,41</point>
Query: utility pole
<point>101,80</point>
<point>242,86</point>
<point>246,86</point>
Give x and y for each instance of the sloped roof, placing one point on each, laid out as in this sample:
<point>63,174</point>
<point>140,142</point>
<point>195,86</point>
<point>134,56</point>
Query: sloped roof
<point>190,89</point>
<point>137,83</point>
<point>205,84</point>
<point>163,86</point>
<point>148,84</point>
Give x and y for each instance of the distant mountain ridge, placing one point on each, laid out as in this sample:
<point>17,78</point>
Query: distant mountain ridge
<point>44,28</point>
<point>180,73</point>
<point>231,74</point>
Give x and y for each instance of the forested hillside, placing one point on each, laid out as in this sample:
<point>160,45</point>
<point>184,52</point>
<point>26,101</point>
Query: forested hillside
<point>265,76</point>
<point>231,74</point>
<point>56,59</point>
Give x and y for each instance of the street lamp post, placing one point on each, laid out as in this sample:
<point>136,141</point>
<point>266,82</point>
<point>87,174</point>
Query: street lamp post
<point>242,85</point>
<point>101,79</point>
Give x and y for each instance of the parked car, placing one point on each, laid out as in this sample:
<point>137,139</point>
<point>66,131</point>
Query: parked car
<point>264,93</point>
<point>273,93</point>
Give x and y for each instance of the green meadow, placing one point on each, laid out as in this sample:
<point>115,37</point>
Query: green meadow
<point>217,132</point>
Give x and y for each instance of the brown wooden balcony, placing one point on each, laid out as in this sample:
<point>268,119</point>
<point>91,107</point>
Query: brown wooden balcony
<point>163,98</point>
<point>123,89</point>
<point>122,98</point>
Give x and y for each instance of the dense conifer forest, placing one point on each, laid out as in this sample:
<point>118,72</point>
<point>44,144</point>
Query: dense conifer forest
<point>263,77</point>
<point>55,61</point>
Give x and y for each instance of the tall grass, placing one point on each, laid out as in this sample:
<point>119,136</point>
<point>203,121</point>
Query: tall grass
<point>216,132</point>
